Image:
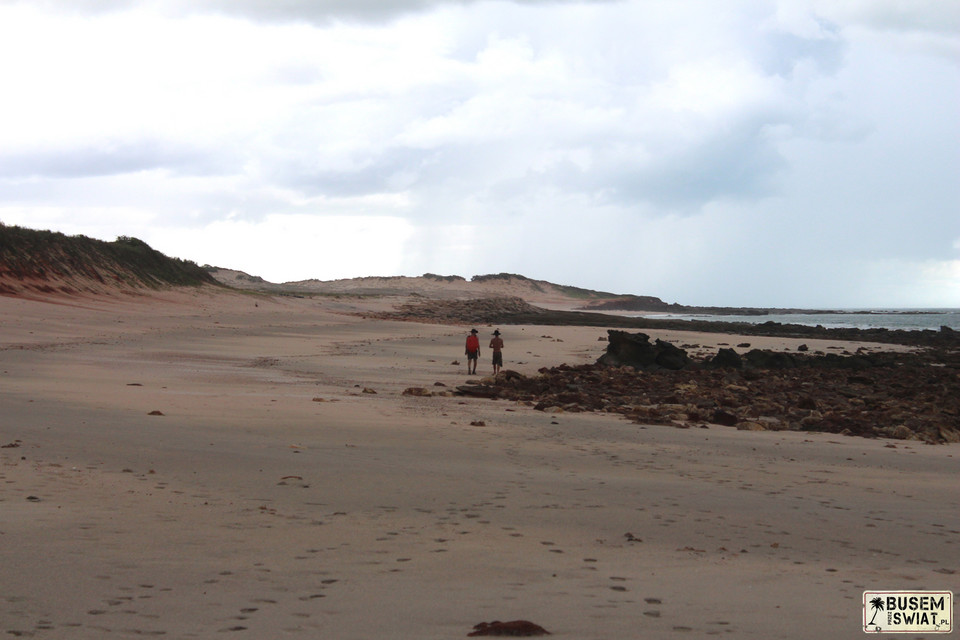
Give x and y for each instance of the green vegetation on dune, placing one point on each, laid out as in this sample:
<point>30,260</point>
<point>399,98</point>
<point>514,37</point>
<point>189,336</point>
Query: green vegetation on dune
<point>28,254</point>
<point>439,278</point>
<point>586,294</point>
<point>507,276</point>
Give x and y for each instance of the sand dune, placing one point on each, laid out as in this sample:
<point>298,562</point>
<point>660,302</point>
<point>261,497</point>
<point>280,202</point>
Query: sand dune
<point>191,464</point>
<point>539,292</point>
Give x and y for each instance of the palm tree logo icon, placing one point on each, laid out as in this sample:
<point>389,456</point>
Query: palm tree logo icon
<point>877,605</point>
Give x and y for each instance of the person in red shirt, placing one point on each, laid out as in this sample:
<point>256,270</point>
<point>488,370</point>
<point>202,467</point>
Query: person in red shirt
<point>473,352</point>
<point>497,345</point>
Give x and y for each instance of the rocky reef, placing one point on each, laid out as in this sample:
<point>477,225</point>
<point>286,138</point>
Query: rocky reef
<point>906,396</point>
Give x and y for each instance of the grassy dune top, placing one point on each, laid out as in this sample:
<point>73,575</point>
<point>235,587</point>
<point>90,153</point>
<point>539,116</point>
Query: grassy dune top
<point>51,262</point>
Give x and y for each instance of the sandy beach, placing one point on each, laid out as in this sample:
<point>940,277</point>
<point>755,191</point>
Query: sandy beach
<point>191,464</point>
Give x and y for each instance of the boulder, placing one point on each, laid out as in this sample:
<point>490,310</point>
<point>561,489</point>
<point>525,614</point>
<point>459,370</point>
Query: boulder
<point>635,350</point>
<point>903,432</point>
<point>670,356</point>
<point>725,418</point>
<point>726,359</point>
<point>763,359</point>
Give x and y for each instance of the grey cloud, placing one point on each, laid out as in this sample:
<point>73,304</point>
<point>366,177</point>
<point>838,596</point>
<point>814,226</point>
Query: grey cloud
<point>780,52</point>
<point>738,163</point>
<point>321,12</point>
<point>79,6</point>
<point>935,16</point>
<point>311,11</point>
<point>108,160</point>
<point>389,171</point>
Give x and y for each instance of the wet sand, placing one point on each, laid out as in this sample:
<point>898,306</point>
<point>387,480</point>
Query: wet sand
<point>190,465</point>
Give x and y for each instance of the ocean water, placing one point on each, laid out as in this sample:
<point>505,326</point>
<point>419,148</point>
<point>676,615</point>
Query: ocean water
<point>910,319</point>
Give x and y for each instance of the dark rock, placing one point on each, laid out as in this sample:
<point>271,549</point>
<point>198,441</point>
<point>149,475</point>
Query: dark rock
<point>763,359</point>
<point>912,395</point>
<point>514,628</point>
<point>635,350</point>
<point>803,347</point>
<point>724,418</point>
<point>725,358</point>
<point>670,356</point>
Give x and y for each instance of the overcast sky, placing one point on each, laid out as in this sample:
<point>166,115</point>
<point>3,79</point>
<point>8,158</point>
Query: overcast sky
<point>745,152</point>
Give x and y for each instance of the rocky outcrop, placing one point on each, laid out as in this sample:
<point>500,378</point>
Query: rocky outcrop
<point>765,359</point>
<point>633,303</point>
<point>899,396</point>
<point>480,310</point>
<point>635,350</point>
<point>726,358</point>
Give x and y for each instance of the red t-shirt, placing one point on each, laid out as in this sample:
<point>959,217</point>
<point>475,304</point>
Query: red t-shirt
<point>473,344</point>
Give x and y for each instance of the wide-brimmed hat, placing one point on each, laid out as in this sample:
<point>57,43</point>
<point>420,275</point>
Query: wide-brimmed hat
<point>496,332</point>
<point>473,331</point>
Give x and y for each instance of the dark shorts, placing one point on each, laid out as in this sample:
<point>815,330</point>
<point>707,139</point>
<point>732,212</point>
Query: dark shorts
<point>498,358</point>
<point>472,355</point>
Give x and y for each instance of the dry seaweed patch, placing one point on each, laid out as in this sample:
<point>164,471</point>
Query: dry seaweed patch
<point>902,400</point>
